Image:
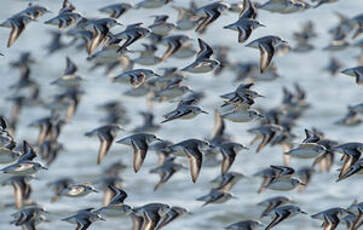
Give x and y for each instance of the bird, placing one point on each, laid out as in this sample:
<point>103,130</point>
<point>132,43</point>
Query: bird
<point>175,43</point>
<point>22,188</point>
<point>229,151</point>
<point>216,196</point>
<point>246,22</point>
<point>166,171</point>
<point>17,23</point>
<point>192,149</point>
<point>140,143</point>
<point>267,46</point>
<point>282,213</point>
<point>209,13</point>
<point>136,77</point>
<point>244,225</point>
<point>184,112</point>
<point>131,34</point>
<point>272,203</point>
<point>356,72</point>
<point>69,77</point>
<point>203,63</point>
<point>84,218</point>
<point>78,190</point>
<point>106,134</point>
<point>116,10</point>
<point>161,26</point>
<point>59,185</point>
<point>331,217</point>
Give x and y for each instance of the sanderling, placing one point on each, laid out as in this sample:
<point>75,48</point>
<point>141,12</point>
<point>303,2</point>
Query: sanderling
<point>174,42</point>
<point>351,151</point>
<point>174,213</point>
<point>149,4</point>
<point>22,188</point>
<point>147,56</point>
<point>161,26</point>
<point>203,63</point>
<point>216,196</point>
<point>149,216</point>
<point>356,72</point>
<point>192,149</point>
<point>267,46</point>
<point>140,144</point>
<point>228,180</point>
<point>106,134</point>
<point>331,217</point>
<point>131,34</point>
<point>229,152</point>
<point>184,112</point>
<point>185,19</point>
<point>148,124</point>
<point>66,16</point>
<point>246,22</point>
<point>59,185</point>
<point>283,212</point>
<point>136,77</point>
<point>272,203</point>
<point>116,10</point>
<point>166,171</point>
<point>69,77</point>
<point>209,13</point>
<point>78,190</point>
<point>17,23</point>
<point>244,225</point>
<point>84,218</point>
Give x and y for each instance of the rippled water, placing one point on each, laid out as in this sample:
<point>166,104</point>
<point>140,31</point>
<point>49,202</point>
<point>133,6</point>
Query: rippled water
<point>328,97</point>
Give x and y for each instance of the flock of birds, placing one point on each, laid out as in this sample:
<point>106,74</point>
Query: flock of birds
<point>111,50</point>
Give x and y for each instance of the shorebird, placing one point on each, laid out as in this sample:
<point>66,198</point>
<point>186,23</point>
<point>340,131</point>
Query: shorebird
<point>17,23</point>
<point>245,225</point>
<point>272,203</point>
<point>356,72</point>
<point>246,22</point>
<point>140,144</point>
<point>192,149</point>
<point>283,212</point>
<point>203,63</point>
<point>106,134</point>
<point>216,196</point>
<point>116,10</point>
<point>184,112</point>
<point>267,46</point>
<point>166,171</point>
<point>331,217</point>
<point>131,34</point>
<point>136,77</point>
<point>209,13</point>
<point>84,218</point>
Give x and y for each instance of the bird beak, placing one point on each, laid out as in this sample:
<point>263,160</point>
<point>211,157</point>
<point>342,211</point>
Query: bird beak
<point>120,24</point>
<point>303,212</point>
<point>94,190</point>
<point>284,42</point>
<point>262,25</point>
<point>45,168</point>
<point>159,139</point>
<point>204,112</point>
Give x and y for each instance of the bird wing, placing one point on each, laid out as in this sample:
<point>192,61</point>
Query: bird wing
<point>195,160</point>
<point>140,149</point>
<point>267,52</point>
<point>16,30</point>
<point>205,50</point>
<point>106,142</point>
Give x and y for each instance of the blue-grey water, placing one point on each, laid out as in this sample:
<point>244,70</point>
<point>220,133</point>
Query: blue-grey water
<point>328,97</point>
